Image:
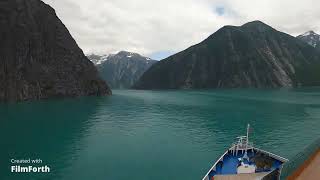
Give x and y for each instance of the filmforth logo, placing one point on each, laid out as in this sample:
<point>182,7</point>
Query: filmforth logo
<point>30,169</point>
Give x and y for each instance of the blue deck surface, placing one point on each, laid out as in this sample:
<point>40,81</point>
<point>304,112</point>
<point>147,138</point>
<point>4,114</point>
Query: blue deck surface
<point>230,164</point>
<point>276,164</point>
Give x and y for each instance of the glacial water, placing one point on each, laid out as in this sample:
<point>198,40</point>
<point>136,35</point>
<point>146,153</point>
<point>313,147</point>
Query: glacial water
<point>158,135</point>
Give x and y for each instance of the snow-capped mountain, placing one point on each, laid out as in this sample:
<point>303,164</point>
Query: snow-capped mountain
<point>123,69</point>
<point>97,59</point>
<point>311,38</point>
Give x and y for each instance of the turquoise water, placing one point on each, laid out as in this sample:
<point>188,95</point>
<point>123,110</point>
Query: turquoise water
<point>159,135</point>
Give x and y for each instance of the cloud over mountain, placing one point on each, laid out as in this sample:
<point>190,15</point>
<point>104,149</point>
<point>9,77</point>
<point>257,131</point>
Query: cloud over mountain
<point>149,27</point>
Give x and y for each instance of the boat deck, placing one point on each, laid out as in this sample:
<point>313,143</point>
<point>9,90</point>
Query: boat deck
<point>254,176</point>
<point>242,161</point>
<point>230,162</point>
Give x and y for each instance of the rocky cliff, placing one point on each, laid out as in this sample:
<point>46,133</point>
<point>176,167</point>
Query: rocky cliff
<point>122,70</point>
<point>38,57</point>
<point>253,55</point>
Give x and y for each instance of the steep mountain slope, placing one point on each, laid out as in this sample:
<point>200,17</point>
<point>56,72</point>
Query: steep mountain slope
<point>122,70</point>
<point>311,38</point>
<point>38,57</point>
<point>252,55</point>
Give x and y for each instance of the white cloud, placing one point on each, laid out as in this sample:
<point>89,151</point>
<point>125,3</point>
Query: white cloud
<point>291,16</point>
<point>147,27</point>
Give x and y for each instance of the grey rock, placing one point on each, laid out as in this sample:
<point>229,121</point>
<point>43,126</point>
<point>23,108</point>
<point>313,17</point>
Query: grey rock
<point>39,59</point>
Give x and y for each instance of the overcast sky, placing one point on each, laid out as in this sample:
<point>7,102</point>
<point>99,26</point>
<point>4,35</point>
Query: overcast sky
<point>160,28</point>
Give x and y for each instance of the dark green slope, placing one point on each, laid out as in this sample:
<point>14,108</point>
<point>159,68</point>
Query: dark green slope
<point>252,55</point>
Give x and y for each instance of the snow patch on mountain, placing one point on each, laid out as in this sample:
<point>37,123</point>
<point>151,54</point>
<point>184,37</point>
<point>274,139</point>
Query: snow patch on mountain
<point>310,37</point>
<point>99,59</point>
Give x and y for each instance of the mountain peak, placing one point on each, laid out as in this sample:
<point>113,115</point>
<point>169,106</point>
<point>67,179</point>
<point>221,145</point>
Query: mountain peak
<point>123,69</point>
<point>244,56</point>
<point>256,22</point>
<point>309,33</point>
<point>126,53</point>
<point>253,26</point>
<point>311,38</point>
<point>121,55</point>
<point>259,25</point>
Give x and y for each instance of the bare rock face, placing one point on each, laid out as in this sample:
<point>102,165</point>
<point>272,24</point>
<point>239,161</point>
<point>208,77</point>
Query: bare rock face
<point>39,58</point>
<point>250,56</point>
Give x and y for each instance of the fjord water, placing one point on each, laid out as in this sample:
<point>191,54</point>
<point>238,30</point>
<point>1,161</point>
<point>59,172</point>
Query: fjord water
<point>140,135</point>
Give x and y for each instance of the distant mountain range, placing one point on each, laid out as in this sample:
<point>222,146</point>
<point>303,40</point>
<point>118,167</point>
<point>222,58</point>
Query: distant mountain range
<point>252,55</point>
<point>311,38</point>
<point>39,57</point>
<point>121,70</point>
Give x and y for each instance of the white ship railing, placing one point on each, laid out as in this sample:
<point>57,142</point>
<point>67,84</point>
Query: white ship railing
<point>272,155</point>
